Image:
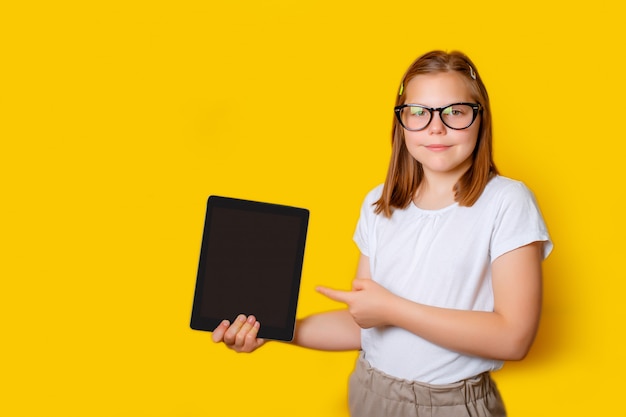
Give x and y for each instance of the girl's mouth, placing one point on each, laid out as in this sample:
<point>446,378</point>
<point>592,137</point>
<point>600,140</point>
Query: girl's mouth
<point>437,148</point>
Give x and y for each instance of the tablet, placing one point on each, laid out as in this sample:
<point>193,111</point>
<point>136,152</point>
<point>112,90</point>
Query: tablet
<point>250,263</point>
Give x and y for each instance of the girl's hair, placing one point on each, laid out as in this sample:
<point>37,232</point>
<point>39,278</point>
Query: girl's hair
<point>405,174</point>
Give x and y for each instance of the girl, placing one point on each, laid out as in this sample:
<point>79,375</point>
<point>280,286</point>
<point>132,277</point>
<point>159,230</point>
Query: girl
<point>448,284</point>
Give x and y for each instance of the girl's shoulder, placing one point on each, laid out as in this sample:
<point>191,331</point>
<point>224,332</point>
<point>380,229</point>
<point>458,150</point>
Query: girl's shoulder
<point>374,195</point>
<point>504,188</point>
<point>368,205</point>
<point>500,182</point>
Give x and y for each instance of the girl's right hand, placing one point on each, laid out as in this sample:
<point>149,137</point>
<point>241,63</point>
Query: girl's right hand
<point>241,335</point>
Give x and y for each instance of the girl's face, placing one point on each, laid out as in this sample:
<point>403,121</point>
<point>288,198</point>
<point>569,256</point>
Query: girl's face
<point>438,148</point>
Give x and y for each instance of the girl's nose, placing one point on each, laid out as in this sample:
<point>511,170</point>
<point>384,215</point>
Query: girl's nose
<point>436,124</point>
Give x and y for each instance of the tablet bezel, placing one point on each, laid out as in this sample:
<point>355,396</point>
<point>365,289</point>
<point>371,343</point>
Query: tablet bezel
<point>208,323</point>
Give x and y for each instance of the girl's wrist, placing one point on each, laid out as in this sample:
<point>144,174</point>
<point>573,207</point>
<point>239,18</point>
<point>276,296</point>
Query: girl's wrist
<point>393,310</point>
<point>399,309</point>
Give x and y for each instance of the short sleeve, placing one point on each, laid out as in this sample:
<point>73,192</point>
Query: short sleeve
<point>366,220</point>
<point>518,222</point>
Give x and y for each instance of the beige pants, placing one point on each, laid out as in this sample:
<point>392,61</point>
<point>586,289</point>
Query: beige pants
<point>376,394</point>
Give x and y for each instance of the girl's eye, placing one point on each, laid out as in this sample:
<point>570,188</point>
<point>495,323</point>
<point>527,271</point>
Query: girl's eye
<point>417,111</point>
<point>452,111</point>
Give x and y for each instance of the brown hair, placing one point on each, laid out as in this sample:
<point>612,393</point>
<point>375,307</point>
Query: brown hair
<point>405,174</point>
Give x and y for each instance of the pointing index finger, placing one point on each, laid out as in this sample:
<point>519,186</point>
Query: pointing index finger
<point>337,295</point>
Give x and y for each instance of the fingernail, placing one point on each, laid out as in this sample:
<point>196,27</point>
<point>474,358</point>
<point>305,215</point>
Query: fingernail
<point>251,319</point>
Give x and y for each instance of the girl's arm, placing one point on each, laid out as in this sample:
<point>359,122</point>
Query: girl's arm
<point>333,330</point>
<point>504,334</point>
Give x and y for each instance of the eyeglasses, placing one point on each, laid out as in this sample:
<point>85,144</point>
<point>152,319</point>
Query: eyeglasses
<point>457,116</point>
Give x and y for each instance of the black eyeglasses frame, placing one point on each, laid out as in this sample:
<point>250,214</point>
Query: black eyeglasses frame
<point>476,108</point>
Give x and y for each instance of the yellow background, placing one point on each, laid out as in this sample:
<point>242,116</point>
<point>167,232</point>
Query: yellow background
<point>118,120</point>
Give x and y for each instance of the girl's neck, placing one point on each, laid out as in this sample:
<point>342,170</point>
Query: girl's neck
<point>436,191</point>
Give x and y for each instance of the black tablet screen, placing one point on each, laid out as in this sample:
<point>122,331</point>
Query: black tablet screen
<point>250,263</point>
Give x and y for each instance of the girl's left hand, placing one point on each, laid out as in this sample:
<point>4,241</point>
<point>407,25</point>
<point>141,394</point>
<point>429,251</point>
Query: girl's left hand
<point>368,302</point>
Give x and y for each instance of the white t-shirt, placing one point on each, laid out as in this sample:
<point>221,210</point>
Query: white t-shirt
<point>442,258</point>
